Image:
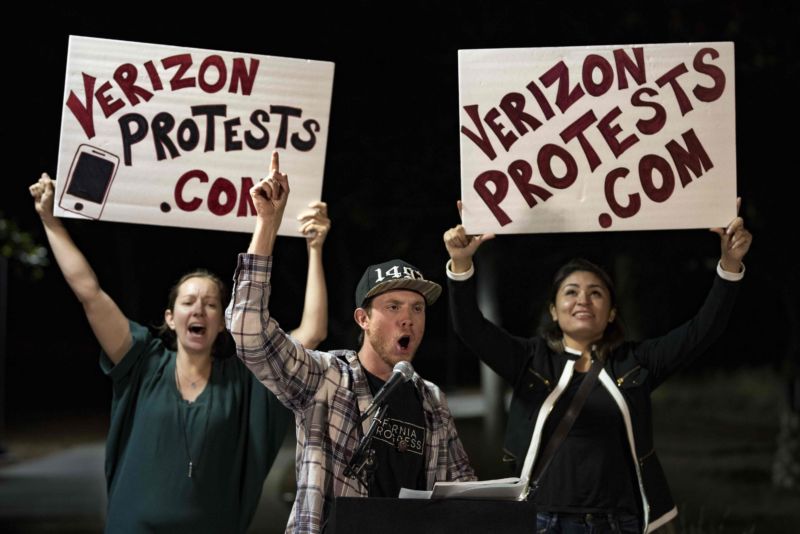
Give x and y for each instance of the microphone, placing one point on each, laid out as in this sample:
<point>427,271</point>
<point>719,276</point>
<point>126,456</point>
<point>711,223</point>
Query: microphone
<point>402,372</point>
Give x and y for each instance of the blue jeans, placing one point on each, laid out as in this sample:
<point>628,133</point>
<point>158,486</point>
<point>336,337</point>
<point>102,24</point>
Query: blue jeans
<point>558,523</point>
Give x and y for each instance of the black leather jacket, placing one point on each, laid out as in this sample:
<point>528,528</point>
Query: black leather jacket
<point>632,371</point>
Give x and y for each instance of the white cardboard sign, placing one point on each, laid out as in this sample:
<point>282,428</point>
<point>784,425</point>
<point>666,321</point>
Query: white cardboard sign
<point>597,138</point>
<point>173,136</point>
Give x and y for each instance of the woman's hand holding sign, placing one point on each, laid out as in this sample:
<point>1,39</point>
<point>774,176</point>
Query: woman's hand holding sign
<point>734,242</point>
<point>461,246</point>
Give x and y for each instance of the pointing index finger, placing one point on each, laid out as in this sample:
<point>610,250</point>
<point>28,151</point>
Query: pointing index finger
<point>275,164</point>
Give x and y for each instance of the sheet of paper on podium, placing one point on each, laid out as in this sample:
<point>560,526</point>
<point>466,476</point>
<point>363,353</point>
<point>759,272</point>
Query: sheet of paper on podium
<point>506,489</point>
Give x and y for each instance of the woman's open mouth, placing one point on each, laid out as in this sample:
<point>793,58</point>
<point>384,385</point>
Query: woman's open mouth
<point>197,329</point>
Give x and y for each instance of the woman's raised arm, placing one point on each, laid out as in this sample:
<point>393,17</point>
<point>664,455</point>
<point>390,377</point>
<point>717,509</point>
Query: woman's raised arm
<point>109,324</point>
<point>313,328</point>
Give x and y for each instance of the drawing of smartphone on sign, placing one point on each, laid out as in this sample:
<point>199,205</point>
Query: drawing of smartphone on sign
<point>89,181</point>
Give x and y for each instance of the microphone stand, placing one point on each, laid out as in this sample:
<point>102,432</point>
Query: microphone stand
<point>363,460</point>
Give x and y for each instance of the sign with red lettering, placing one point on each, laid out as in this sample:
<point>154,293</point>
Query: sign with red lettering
<point>173,136</point>
<point>597,138</point>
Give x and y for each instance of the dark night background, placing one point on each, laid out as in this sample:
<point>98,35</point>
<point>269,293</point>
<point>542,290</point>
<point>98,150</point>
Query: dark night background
<point>392,179</point>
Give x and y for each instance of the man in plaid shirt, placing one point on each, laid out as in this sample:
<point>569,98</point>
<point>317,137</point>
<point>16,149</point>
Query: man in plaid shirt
<point>328,391</point>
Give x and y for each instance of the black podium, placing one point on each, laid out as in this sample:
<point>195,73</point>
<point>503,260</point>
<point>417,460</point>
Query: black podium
<point>350,515</point>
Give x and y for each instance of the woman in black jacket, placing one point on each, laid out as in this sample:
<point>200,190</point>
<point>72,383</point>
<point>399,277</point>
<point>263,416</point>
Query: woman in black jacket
<point>604,476</point>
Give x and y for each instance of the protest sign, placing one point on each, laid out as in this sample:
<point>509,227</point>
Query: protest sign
<point>173,136</point>
<point>597,138</point>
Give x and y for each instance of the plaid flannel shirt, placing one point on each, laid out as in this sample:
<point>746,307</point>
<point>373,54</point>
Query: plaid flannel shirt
<point>327,391</point>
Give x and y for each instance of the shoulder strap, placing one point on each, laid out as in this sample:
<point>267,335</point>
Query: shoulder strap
<point>566,422</point>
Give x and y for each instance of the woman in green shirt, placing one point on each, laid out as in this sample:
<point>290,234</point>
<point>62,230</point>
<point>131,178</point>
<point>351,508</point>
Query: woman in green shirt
<point>192,434</point>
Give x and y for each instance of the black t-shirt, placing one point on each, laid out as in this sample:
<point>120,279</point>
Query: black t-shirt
<point>399,442</point>
<point>592,471</point>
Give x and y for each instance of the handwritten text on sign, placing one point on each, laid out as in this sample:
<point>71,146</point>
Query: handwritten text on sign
<point>173,136</point>
<point>594,138</point>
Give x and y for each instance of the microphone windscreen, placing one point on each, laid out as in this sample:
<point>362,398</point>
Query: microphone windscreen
<point>405,369</point>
